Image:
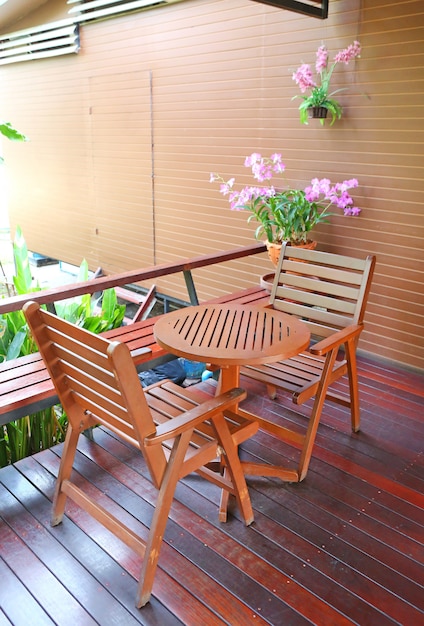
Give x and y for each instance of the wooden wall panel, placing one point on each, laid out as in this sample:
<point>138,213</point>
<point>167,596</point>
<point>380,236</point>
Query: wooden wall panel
<point>220,89</point>
<point>122,170</point>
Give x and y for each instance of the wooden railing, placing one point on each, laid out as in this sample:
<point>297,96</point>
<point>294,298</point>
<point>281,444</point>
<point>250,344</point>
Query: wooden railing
<point>135,276</point>
<point>25,386</point>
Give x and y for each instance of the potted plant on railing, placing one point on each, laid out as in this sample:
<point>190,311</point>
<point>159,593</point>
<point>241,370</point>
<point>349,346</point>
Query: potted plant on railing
<point>320,100</point>
<point>286,214</point>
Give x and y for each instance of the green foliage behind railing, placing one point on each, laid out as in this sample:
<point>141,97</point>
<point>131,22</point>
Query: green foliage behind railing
<point>96,314</point>
<point>41,430</point>
<point>15,340</point>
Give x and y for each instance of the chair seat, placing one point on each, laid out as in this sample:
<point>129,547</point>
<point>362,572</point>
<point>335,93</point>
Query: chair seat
<point>299,375</point>
<point>167,401</point>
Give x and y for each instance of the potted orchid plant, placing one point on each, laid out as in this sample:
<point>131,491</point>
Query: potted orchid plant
<point>286,214</point>
<point>320,99</point>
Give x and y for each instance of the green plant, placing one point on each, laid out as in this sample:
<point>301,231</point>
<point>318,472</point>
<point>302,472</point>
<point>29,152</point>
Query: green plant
<point>43,429</point>
<point>15,339</point>
<point>287,214</point>
<point>32,433</point>
<point>96,314</point>
<point>320,95</point>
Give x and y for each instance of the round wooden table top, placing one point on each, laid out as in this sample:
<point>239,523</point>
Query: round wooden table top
<point>230,334</point>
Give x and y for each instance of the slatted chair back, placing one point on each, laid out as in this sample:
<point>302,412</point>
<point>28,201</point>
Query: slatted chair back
<point>177,433</point>
<point>327,291</point>
<point>82,366</point>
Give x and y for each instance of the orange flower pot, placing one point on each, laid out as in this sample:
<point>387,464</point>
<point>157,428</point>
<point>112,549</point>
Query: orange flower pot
<point>274,249</point>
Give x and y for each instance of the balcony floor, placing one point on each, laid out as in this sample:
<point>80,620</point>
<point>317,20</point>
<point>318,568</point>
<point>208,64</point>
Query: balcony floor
<point>343,547</point>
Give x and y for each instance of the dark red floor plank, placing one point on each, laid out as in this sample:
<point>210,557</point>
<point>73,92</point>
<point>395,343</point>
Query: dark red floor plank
<point>173,594</point>
<point>304,539</point>
<point>223,597</point>
<point>328,587</point>
<point>51,594</point>
<point>18,606</point>
<point>48,545</point>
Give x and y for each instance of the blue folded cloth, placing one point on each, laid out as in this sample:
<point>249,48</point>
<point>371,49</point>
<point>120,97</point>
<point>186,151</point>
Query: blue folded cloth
<point>172,370</point>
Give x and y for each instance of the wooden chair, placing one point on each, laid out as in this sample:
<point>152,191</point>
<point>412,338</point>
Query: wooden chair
<point>97,383</point>
<point>329,293</point>
<point>145,303</point>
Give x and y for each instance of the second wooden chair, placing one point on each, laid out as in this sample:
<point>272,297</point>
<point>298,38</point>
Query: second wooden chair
<point>328,292</point>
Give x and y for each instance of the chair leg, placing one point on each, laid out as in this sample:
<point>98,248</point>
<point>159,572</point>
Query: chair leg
<point>272,391</point>
<point>321,393</point>
<point>352,373</point>
<point>160,518</point>
<point>223,501</point>
<point>65,470</point>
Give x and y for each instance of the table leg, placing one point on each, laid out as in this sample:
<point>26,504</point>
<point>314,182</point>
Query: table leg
<point>229,378</point>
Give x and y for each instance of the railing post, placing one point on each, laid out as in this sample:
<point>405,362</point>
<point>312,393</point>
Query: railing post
<point>188,277</point>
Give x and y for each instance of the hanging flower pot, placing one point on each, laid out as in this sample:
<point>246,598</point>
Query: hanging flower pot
<point>318,96</point>
<point>319,113</point>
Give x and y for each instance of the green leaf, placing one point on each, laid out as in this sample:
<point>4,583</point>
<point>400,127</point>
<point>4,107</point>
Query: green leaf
<point>83,272</point>
<point>16,345</point>
<point>23,277</point>
<point>86,307</point>
<point>4,459</point>
<point>5,338</point>
<point>109,303</point>
<point>18,435</point>
<point>11,133</point>
<point>94,324</point>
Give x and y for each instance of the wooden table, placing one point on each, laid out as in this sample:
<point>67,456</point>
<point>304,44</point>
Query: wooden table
<point>228,336</point>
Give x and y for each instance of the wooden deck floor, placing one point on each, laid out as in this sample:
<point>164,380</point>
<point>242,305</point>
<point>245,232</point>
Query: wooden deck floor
<point>343,547</point>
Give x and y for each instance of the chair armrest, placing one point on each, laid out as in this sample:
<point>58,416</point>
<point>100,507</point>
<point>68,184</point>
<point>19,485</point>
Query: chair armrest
<point>188,420</point>
<point>336,340</point>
